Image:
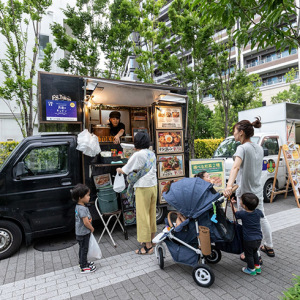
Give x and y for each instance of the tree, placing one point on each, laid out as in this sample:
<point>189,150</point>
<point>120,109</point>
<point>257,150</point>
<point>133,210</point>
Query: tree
<point>149,33</point>
<point>116,45</point>
<point>293,94</point>
<point>263,22</point>
<point>16,17</point>
<point>183,54</point>
<point>231,87</point>
<point>86,22</point>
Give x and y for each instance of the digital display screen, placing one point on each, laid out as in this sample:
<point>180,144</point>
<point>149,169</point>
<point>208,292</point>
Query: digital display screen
<point>61,110</point>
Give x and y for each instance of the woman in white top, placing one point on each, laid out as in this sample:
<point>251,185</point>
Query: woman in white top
<point>246,171</point>
<point>143,163</point>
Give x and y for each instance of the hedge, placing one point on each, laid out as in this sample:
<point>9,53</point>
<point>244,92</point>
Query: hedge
<point>5,149</point>
<point>205,148</point>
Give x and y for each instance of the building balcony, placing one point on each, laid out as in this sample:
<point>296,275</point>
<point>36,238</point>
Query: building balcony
<point>270,61</point>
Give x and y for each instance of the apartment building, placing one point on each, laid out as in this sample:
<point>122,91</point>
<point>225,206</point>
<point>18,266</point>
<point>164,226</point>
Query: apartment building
<point>270,64</point>
<point>9,129</point>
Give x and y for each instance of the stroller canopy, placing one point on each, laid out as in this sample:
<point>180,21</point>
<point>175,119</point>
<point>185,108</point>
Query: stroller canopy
<point>191,196</point>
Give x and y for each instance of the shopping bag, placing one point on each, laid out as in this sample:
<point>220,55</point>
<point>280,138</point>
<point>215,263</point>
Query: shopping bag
<point>119,184</point>
<point>94,252</point>
<point>236,245</point>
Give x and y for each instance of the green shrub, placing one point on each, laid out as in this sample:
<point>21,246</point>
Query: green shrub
<point>293,293</point>
<point>205,148</point>
<point>5,149</point>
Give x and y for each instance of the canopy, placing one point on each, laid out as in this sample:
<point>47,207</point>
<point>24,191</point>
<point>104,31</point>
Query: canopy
<point>191,196</point>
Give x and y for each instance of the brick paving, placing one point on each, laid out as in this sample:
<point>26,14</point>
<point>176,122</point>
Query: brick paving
<point>31,274</point>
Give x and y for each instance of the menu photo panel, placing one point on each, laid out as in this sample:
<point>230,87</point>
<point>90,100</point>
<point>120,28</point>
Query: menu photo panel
<point>169,141</point>
<point>170,165</point>
<point>168,117</point>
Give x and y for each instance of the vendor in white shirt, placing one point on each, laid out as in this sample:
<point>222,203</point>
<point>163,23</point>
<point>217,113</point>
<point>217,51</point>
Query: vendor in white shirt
<point>145,190</point>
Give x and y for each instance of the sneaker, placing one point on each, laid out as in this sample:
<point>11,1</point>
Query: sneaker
<point>258,270</point>
<point>90,263</point>
<point>90,269</point>
<point>249,271</point>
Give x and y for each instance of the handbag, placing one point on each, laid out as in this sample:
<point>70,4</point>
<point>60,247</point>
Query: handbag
<point>236,245</point>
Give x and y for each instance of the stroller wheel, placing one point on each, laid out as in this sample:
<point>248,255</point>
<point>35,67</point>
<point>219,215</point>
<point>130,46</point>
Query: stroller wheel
<point>203,275</point>
<point>160,258</point>
<point>215,255</point>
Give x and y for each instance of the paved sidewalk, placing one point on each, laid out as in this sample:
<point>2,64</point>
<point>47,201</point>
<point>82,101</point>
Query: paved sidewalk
<point>122,274</point>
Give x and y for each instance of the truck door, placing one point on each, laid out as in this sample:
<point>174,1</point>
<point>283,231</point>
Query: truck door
<point>42,193</point>
<point>270,161</point>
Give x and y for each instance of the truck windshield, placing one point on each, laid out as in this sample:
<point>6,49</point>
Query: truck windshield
<point>228,147</point>
<point>7,158</point>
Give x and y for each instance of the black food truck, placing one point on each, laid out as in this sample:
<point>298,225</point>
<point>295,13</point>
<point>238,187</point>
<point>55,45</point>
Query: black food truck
<point>36,179</point>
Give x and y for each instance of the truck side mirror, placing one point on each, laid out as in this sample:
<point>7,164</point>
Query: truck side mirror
<point>20,169</point>
<point>266,152</point>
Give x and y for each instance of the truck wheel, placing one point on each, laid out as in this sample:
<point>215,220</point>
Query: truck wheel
<point>10,238</point>
<point>161,213</point>
<point>268,191</point>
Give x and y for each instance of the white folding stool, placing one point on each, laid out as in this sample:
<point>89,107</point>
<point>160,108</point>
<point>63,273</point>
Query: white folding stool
<point>116,214</point>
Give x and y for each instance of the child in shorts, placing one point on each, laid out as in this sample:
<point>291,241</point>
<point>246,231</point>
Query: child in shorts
<point>83,226</point>
<point>252,234</point>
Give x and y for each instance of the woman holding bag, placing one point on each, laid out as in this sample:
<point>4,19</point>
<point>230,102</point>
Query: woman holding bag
<point>141,171</point>
<point>246,171</point>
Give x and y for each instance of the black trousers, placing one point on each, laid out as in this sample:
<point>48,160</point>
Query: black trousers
<point>83,241</point>
<point>250,250</point>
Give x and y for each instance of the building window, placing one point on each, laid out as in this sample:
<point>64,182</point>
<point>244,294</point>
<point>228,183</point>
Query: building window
<point>44,39</point>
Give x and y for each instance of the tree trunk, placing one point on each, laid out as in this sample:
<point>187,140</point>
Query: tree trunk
<point>226,121</point>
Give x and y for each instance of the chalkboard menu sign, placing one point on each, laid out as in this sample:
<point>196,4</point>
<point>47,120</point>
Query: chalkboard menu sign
<point>60,98</point>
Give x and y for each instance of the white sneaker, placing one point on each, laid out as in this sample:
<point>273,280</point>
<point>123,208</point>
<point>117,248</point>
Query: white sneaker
<point>89,269</point>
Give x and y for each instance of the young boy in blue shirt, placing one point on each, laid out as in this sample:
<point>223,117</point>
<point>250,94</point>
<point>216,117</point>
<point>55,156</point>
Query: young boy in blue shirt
<point>252,234</point>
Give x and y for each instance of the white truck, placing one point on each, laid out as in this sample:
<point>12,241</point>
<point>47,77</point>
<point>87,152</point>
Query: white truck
<point>280,124</point>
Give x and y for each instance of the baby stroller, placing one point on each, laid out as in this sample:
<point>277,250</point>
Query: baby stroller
<point>200,204</point>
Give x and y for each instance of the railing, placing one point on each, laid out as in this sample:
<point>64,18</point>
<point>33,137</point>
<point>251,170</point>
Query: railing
<point>279,80</point>
<point>269,59</point>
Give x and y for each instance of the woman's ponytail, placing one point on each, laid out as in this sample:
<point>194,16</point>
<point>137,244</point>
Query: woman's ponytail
<point>257,123</point>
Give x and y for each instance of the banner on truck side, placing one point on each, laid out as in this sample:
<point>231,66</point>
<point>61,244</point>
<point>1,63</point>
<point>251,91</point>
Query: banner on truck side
<point>214,167</point>
<point>61,110</point>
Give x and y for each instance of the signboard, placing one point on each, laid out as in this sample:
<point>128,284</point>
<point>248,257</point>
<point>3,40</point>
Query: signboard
<point>170,165</point>
<point>61,110</point>
<point>214,167</point>
<point>169,141</point>
<point>164,186</point>
<point>168,117</point>
<point>60,98</point>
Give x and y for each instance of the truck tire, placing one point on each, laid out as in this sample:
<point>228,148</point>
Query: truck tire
<point>161,213</point>
<point>268,190</point>
<point>10,238</point>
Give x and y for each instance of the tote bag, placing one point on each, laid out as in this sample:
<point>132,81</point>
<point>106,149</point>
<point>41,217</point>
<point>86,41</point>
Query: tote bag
<point>236,245</point>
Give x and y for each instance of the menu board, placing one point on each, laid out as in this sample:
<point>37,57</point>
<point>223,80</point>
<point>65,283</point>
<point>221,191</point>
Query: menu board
<point>214,167</point>
<point>168,117</point>
<point>102,180</point>
<point>170,165</point>
<point>293,164</point>
<point>164,186</point>
<point>169,141</point>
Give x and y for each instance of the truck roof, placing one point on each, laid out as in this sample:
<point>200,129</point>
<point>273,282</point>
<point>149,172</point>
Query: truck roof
<point>260,134</point>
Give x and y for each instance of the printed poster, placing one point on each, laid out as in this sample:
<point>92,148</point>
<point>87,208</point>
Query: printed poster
<point>164,186</point>
<point>214,167</point>
<point>170,165</point>
<point>293,161</point>
<point>168,117</point>
<point>61,110</point>
<point>169,141</point>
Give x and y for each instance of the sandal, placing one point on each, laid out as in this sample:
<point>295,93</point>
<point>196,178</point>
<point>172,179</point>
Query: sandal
<point>260,260</point>
<point>147,251</point>
<point>268,251</point>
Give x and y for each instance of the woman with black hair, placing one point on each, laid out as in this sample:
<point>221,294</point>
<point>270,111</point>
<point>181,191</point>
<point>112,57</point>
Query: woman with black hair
<point>141,171</point>
<point>246,171</point>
